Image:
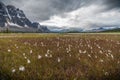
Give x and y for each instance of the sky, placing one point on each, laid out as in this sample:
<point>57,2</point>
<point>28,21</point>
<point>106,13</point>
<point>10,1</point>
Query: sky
<point>83,14</point>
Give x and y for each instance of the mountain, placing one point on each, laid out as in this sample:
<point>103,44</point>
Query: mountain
<point>113,30</point>
<point>65,29</point>
<point>106,29</point>
<point>101,29</point>
<point>15,20</point>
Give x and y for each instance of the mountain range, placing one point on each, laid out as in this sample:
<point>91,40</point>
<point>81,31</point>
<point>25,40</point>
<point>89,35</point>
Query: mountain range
<point>15,20</point>
<point>79,30</point>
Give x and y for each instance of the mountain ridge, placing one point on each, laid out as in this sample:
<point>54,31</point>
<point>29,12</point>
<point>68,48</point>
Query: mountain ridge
<point>15,20</point>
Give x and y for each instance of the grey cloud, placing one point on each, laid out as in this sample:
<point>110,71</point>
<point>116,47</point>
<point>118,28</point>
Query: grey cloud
<point>113,3</point>
<point>43,9</point>
<point>40,10</point>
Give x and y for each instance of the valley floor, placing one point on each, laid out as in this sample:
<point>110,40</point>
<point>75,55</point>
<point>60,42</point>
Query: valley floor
<point>90,56</point>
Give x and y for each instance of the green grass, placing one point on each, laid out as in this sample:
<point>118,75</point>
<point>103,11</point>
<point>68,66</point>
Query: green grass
<point>70,56</point>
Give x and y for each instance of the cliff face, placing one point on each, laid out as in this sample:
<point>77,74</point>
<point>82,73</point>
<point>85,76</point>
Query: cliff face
<point>15,19</point>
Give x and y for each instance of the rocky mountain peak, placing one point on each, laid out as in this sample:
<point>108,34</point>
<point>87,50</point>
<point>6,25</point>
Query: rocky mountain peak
<point>16,20</point>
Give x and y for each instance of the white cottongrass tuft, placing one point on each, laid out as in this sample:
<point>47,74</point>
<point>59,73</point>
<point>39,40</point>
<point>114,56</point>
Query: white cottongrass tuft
<point>42,44</point>
<point>25,57</point>
<point>13,70</point>
<point>112,56</point>
<point>48,51</point>
<point>31,51</point>
<point>84,52</point>
<point>89,55</point>
<point>16,46</point>
<point>39,56</point>
<point>50,55</point>
<point>101,52</point>
<point>59,60</point>
<point>109,51</point>
<point>101,60</point>
<point>46,55</point>
<point>9,50</point>
<point>80,51</point>
<point>23,54</point>
<point>21,68</point>
<point>28,61</point>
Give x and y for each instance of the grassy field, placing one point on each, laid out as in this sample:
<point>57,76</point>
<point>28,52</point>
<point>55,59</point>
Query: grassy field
<point>60,56</point>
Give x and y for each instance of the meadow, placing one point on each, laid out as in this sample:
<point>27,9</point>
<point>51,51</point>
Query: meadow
<point>60,56</point>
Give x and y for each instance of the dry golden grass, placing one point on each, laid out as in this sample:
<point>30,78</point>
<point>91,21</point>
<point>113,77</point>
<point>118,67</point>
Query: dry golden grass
<point>59,56</point>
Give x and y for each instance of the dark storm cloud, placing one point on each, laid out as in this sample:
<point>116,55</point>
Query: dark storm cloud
<point>41,10</point>
<point>113,4</point>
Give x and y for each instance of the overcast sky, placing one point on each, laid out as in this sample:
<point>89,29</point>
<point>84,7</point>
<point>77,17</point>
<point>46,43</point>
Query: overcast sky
<point>84,14</point>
